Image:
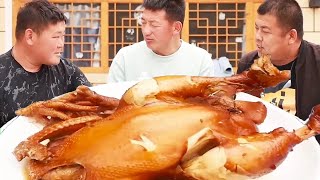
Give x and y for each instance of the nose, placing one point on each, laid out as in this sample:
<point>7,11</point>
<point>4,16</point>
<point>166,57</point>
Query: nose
<point>259,37</point>
<point>61,42</point>
<point>146,30</point>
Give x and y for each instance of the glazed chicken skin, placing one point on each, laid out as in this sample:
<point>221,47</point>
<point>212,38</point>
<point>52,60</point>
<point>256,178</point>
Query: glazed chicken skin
<point>166,127</point>
<point>249,156</point>
<point>145,141</point>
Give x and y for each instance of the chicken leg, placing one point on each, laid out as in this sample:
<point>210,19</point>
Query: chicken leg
<point>250,156</point>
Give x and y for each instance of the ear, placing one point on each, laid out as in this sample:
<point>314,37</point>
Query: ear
<point>293,36</point>
<point>177,27</point>
<point>29,36</point>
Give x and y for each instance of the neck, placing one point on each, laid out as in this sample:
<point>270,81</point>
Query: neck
<point>170,48</point>
<point>290,56</point>
<point>23,56</point>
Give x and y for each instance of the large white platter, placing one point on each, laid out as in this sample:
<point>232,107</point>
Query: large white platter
<point>302,163</point>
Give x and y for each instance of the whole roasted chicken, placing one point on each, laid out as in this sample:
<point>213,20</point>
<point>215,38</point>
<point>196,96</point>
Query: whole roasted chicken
<point>171,127</point>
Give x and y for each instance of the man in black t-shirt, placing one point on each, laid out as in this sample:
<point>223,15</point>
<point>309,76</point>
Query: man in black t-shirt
<point>279,33</point>
<point>33,69</point>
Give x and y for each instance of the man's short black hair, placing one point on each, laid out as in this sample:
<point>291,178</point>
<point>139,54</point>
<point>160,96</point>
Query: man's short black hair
<point>287,12</point>
<point>175,9</point>
<point>37,15</point>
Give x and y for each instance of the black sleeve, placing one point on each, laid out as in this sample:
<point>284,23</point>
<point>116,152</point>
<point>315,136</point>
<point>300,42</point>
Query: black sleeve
<point>5,78</point>
<point>75,75</point>
<point>246,61</point>
<point>79,78</point>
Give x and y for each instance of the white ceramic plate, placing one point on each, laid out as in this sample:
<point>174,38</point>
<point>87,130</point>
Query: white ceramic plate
<point>302,163</point>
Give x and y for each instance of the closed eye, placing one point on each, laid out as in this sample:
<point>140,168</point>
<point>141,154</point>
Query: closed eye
<point>265,30</point>
<point>58,36</point>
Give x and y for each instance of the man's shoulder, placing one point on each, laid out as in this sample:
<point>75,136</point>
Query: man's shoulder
<point>250,56</point>
<point>193,53</point>
<point>310,43</point>
<point>133,48</point>
<point>246,61</point>
<point>5,57</point>
<point>68,68</point>
<point>309,50</point>
<point>192,48</point>
<point>63,66</point>
<point>315,47</point>
<point>65,61</point>
<point>7,63</point>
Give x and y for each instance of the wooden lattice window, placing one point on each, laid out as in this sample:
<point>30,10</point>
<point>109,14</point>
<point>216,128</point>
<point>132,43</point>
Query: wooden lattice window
<point>83,35</point>
<point>218,28</point>
<point>124,28</point>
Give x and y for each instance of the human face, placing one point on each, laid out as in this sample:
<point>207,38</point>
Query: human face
<point>272,39</point>
<point>157,31</point>
<point>48,45</point>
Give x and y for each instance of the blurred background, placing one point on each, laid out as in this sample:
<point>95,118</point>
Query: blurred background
<point>97,29</point>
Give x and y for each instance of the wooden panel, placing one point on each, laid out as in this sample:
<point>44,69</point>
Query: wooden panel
<point>16,4</point>
<point>313,37</point>
<point>1,4</point>
<point>308,19</point>
<point>185,29</point>
<point>2,16</point>
<point>250,31</point>
<point>317,19</point>
<point>2,44</point>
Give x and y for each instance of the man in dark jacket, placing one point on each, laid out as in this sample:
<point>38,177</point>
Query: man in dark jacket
<point>279,33</point>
